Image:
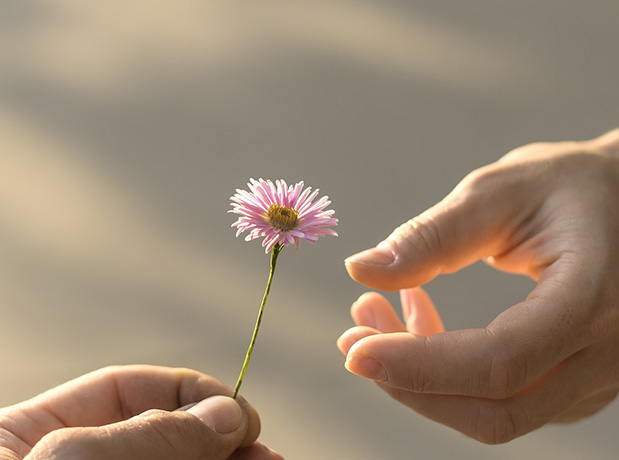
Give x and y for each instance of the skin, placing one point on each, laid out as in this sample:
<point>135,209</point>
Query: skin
<point>129,412</point>
<point>546,210</point>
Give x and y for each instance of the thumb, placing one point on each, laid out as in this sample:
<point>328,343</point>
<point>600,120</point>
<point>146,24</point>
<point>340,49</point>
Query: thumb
<point>468,224</point>
<point>213,428</point>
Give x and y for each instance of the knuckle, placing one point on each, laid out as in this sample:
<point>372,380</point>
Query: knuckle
<point>422,233</point>
<point>69,443</point>
<point>495,424</point>
<point>507,374</point>
<point>416,380</point>
<point>492,184</point>
<point>533,150</point>
<point>418,377</point>
<point>482,180</point>
<point>111,370</point>
<point>159,422</point>
<point>166,430</point>
<point>153,414</point>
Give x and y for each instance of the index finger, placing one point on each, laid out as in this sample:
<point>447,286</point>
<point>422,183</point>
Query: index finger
<point>474,221</point>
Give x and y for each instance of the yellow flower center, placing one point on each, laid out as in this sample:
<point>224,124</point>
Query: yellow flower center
<point>282,217</point>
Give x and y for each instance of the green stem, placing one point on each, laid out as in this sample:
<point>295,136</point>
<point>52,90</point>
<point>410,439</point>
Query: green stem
<point>274,253</point>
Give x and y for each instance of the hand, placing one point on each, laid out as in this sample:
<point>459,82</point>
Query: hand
<point>128,413</point>
<point>547,210</point>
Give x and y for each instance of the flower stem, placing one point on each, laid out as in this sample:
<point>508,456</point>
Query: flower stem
<point>274,253</point>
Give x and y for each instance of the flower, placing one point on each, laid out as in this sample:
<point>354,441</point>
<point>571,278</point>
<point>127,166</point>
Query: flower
<point>282,214</point>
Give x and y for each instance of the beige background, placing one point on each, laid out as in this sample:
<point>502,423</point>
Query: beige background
<point>125,126</point>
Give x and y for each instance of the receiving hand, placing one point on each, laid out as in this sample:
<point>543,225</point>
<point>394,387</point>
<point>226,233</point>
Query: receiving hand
<point>129,413</point>
<point>547,210</point>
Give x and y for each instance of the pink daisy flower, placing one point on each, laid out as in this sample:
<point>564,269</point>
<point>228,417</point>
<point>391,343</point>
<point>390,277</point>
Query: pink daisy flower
<point>281,214</point>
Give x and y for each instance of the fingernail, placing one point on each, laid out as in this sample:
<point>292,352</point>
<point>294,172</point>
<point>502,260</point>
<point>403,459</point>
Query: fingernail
<point>366,367</point>
<point>374,256</point>
<point>220,413</point>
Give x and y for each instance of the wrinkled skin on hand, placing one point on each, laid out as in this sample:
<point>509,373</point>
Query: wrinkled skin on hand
<point>129,412</point>
<point>546,210</point>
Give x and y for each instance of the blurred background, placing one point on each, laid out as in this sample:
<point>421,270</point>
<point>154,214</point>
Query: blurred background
<point>125,126</point>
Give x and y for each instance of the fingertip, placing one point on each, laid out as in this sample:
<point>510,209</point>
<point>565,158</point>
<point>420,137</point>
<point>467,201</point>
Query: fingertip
<point>365,365</point>
<point>253,421</point>
<point>374,310</point>
<point>369,297</point>
<point>379,256</point>
<point>361,311</point>
<point>374,268</point>
<point>352,336</point>
<point>344,343</point>
<point>222,414</point>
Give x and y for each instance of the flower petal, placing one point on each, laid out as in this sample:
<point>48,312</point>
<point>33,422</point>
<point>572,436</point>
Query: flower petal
<point>253,207</point>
